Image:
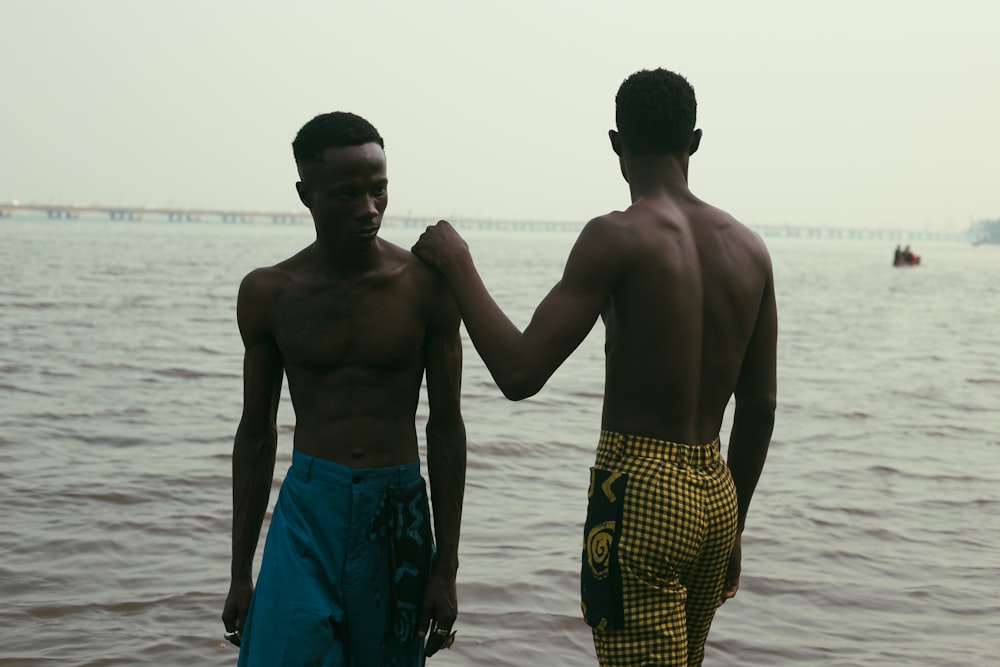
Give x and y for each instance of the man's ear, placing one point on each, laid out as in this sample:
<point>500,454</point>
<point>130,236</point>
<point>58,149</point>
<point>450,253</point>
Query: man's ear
<point>303,193</point>
<point>615,142</point>
<point>695,142</point>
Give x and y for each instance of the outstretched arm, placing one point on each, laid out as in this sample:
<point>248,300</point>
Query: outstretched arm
<point>254,447</point>
<point>521,363</point>
<point>753,419</point>
<point>446,454</point>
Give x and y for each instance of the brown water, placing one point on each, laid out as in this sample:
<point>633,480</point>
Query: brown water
<point>873,538</point>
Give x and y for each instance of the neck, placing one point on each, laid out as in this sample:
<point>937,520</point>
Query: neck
<point>655,175</point>
<point>345,258</point>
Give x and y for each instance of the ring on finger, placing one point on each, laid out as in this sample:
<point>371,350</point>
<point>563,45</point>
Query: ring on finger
<point>447,636</point>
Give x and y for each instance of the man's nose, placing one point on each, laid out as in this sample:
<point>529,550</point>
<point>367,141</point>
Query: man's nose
<point>369,207</point>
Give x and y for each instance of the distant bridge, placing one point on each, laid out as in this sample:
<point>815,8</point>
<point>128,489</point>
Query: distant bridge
<point>177,214</point>
<point>170,213</point>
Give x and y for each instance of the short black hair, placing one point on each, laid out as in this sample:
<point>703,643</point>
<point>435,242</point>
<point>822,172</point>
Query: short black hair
<point>656,111</point>
<point>332,130</point>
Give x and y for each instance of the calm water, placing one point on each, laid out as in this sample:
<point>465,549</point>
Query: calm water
<point>873,538</point>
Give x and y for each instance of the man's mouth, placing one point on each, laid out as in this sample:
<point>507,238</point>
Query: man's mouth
<point>365,232</point>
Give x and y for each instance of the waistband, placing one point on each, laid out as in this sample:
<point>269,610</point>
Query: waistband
<point>307,467</point>
<point>621,445</point>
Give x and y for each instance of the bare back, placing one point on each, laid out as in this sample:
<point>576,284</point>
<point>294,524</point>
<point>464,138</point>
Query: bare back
<point>681,319</point>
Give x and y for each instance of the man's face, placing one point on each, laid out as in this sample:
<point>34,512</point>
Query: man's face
<point>347,193</point>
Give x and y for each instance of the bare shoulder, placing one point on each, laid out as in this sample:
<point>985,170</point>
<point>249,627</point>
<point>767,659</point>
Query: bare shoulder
<point>634,227</point>
<point>400,261</point>
<point>428,285</point>
<point>612,226</point>
<point>612,234</point>
<point>265,281</point>
<point>259,291</point>
<point>736,233</point>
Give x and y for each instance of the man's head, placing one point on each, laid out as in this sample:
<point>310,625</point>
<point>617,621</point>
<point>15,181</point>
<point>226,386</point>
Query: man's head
<point>332,130</point>
<point>655,111</point>
<point>343,182</point>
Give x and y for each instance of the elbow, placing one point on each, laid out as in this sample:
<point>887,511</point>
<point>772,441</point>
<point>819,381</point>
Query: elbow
<point>766,407</point>
<point>520,387</point>
<point>518,395</point>
<point>523,379</point>
<point>252,446</point>
<point>448,429</point>
<point>758,411</point>
<point>762,400</point>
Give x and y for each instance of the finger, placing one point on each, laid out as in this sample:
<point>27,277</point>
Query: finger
<point>729,592</point>
<point>445,620</point>
<point>433,645</point>
<point>424,620</point>
<point>229,619</point>
<point>233,633</point>
<point>438,639</point>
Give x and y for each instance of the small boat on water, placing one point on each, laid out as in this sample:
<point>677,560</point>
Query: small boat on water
<point>905,257</point>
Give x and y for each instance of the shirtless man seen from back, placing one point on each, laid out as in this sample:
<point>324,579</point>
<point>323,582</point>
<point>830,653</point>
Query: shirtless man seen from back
<point>353,322</point>
<point>687,297</point>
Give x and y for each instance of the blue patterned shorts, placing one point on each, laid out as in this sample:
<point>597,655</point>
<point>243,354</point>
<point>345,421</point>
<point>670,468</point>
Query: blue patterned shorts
<point>347,557</point>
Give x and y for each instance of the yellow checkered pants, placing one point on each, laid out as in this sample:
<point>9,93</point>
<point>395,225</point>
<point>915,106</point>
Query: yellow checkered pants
<point>678,526</point>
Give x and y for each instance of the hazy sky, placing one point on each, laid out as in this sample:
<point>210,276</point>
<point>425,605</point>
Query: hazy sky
<point>854,113</point>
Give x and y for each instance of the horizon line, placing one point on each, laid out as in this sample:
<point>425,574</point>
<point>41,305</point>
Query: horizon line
<point>195,214</point>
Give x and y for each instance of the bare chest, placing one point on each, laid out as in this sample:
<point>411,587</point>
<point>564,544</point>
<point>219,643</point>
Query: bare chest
<point>326,329</point>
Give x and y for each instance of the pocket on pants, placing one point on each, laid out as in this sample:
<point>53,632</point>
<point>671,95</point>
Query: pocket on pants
<point>600,576</point>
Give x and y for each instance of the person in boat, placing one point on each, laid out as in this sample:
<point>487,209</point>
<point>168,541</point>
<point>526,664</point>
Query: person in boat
<point>897,257</point>
<point>349,573</point>
<point>686,293</point>
<point>908,258</point>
